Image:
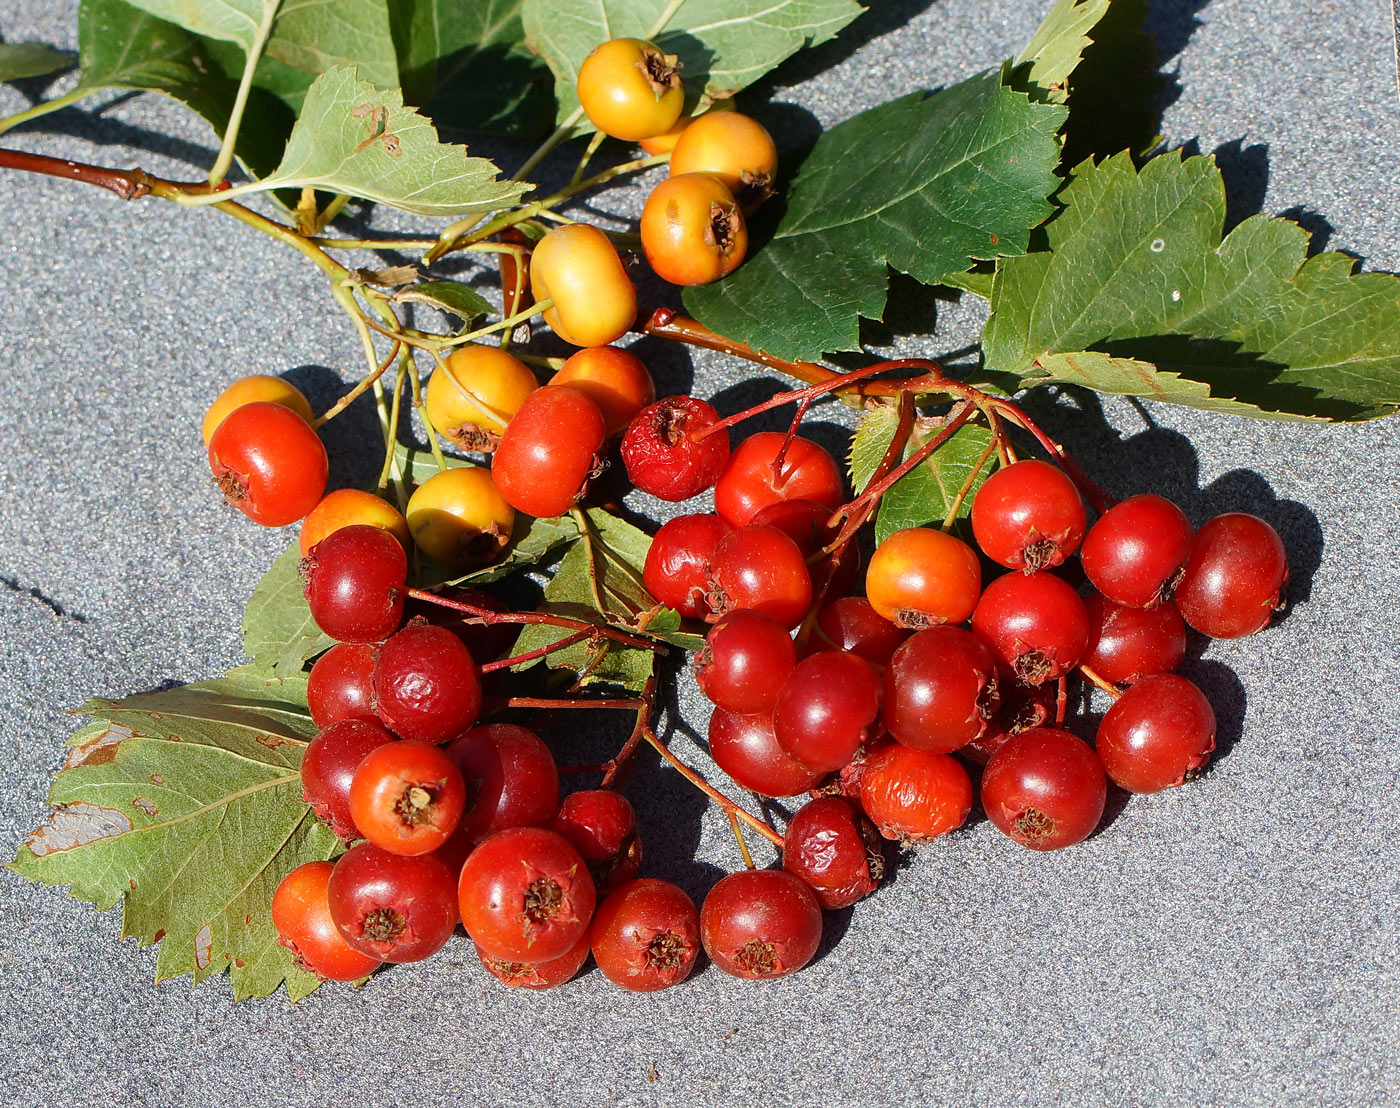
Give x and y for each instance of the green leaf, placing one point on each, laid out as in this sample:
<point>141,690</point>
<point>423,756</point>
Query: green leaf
<point>185,806</point>
<point>121,47</point>
<point>723,45</point>
<point>1130,377</point>
<point>351,138</point>
<point>278,631</point>
<point>465,64</point>
<point>31,59</point>
<point>461,300</point>
<point>599,580</point>
<point>230,20</point>
<point>1055,49</point>
<point>1136,268</point>
<point>926,493</point>
<point>926,184</point>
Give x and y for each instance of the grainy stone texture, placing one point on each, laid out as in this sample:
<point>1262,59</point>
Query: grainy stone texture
<point>1231,943</point>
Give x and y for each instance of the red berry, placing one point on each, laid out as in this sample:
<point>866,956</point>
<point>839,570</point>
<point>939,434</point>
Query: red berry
<point>354,580</point>
<point>806,523</point>
<point>746,749</point>
<point>601,825</point>
<point>646,935</point>
<point>914,795</point>
<point>406,797</point>
<point>426,685</point>
<point>301,912</point>
<point>835,849</point>
<point>537,975</point>
<point>328,766</point>
<point>1028,516</point>
<point>391,907</point>
<point>548,451</point>
<point>268,463</point>
<point>1134,553</point>
<point>750,482</point>
<point>826,709</point>
<point>339,685</point>
<point>1158,734</point>
<point>746,658</point>
<point>678,562</point>
<point>525,895</point>
<point>850,623</point>
<point>1044,788</point>
<point>1233,581</point>
<point>1128,643</point>
<point>1035,624</point>
<point>664,455</point>
<point>511,780</point>
<point>761,923</point>
<point>940,690</point>
<point>760,568</point>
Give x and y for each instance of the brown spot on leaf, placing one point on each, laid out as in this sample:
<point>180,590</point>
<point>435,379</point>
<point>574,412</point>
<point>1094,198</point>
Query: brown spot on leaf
<point>145,806</point>
<point>159,935</point>
<point>240,963</point>
<point>272,742</point>
<point>248,920</point>
<point>157,779</point>
<point>203,947</point>
<point>98,751</point>
<point>74,825</point>
<point>132,883</point>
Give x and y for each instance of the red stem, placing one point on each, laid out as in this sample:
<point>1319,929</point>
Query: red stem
<point>485,615</point>
<point>804,396</point>
<point>531,655</point>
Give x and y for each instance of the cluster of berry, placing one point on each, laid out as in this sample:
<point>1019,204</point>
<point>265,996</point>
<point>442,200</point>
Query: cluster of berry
<point>877,704</point>
<point>880,690</point>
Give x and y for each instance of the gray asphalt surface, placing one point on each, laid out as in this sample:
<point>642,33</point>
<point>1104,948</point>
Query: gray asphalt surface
<point>1230,943</point>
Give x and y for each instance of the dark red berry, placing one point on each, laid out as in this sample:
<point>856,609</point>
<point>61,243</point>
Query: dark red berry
<point>1034,623</point>
<point>1128,643</point>
<point>1158,734</point>
<point>678,562</point>
<point>760,568</point>
<point>664,456</point>
<point>746,658</point>
<point>1044,788</point>
<point>601,825</point>
<point>511,780</point>
<point>940,690</point>
<point>746,749</point>
<point>850,623</point>
<point>537,975</point>
<point>832,846</point>
<point>1233,580</point>
<point>826,709</point>
<point>340,686</point>
<point>391,907</point>
<point>354,581</point>
<point>328,766</point>
<point>646,935</point>
<point>1134,553</point>
<point>426,685</point>
<point>761,924</point>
